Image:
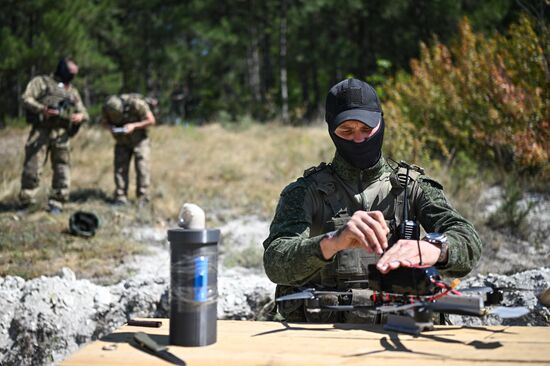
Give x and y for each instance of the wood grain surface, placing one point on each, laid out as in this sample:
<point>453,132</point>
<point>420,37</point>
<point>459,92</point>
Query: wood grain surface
<point>245,343</point>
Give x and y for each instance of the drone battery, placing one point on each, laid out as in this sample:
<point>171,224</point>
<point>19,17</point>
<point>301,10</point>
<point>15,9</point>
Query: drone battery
<point>410,281</point>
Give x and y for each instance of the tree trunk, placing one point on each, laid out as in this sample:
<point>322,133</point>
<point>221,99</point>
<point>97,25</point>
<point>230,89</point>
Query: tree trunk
<point>282,60</point>
<point>266,69</point>
<point>304,81</point>
<point>253,63</point>
<point>317,93</point>
<point>19,91</point>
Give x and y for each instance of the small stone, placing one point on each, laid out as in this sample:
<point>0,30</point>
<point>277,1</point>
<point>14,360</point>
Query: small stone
<point>66,274</point>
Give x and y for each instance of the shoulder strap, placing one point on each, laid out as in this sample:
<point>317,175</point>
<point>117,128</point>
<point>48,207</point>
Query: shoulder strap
<point>325,183</point>
<point>378,191</point>
<point>398,180</point>
<point>47,80</point>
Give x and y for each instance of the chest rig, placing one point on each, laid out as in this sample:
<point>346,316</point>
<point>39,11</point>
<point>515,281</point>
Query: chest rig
<point>56,96</point>
<point>339,200</point>
<point>130,115</point>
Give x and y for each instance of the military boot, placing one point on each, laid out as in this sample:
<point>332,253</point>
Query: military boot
<point>120,201</point>
<point>27,199</point>
<point>54,207</point>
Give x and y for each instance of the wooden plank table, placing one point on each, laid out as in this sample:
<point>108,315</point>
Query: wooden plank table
<point>271,343</point>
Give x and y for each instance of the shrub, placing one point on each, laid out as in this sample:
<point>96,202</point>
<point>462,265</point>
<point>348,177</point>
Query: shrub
<point>486,97</point>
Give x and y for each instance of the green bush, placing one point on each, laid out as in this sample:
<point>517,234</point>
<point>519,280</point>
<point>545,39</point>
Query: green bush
<point>511,215</point>
<point>483,97</point>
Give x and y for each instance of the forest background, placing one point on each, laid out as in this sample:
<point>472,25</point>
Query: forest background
<point>465,88</point>
<point>460,80</point>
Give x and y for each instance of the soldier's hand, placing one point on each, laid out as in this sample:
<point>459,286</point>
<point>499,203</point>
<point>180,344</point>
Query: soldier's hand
<point>129,127</point>
<point>77,118</point>
<point>404,253</point>
<point>367,230</point>
<point>50,112</point>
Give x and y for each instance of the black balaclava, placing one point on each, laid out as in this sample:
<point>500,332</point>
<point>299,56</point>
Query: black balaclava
<point>62,71</point>
<point>364,154</point>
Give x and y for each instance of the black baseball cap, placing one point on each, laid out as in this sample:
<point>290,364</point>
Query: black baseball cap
<point>352,99</point>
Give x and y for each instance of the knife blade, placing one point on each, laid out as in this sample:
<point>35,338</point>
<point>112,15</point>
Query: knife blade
<point>147,344</point>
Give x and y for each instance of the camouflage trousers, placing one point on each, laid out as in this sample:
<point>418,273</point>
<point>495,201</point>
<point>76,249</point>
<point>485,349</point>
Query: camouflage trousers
<point>41,144</point>
<point>141,152</point>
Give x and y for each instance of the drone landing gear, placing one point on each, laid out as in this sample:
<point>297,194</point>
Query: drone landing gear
<point>420,322</point>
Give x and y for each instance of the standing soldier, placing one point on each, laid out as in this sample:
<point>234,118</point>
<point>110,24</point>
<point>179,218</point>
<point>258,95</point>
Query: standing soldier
<point>128,116</point>
<point>55,111</point>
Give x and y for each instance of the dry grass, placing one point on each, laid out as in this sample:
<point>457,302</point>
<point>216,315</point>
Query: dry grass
<point>227,171</point>
<point>239,171</point>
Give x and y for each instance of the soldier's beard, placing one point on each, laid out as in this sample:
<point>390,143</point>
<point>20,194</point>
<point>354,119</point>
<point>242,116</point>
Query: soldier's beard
<point>364,154</point>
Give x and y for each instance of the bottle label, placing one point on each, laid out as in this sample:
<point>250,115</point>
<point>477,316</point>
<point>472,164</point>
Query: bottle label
<point>201,279</point>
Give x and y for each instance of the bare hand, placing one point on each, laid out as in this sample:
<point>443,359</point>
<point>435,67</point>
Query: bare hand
<point>404,253</point>
<point>77,118</point>
<point>129,127</point>
<point>50,112</point>
<point>367,230</point>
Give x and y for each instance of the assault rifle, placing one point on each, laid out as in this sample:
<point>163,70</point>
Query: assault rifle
<point>65,107</point>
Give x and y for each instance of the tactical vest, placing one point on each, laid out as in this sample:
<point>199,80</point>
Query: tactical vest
<point>129,115</point>
<point>385,194</point>
<point>339,202</point>
<point>55,97</point>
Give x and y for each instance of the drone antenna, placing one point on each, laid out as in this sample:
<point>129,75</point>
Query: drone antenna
<point>405,198</point>
<point>408,230</point>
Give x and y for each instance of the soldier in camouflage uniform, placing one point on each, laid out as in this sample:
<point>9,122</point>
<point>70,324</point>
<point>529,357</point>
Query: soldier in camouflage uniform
<point>55,110</point>
<point>339,217</point>
<point>128,116</point>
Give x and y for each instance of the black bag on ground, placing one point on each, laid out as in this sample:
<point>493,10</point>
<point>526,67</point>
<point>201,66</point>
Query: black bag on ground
<point>83,223</point>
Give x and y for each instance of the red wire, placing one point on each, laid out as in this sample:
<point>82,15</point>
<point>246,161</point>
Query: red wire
<point>447,288</point>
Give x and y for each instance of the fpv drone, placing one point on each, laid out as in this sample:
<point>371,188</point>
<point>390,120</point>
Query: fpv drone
<point>409,311</point>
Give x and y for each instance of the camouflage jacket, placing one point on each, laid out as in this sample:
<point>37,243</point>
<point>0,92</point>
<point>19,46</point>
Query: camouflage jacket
<point>135,109</point>
<point>43,91</point>
<point>292,254</point>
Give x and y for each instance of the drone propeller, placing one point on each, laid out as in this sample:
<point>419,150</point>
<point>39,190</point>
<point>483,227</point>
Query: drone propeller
<point>304,295</point>
<point>308,294</point>
<point>509,312</point>
<point>479,290</point>
<point>491,289</point>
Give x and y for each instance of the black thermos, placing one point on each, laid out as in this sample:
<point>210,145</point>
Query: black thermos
<point>193,286</point>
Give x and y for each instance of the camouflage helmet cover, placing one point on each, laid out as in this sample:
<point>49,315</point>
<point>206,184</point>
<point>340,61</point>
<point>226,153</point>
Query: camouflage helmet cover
<point>114,109</point>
